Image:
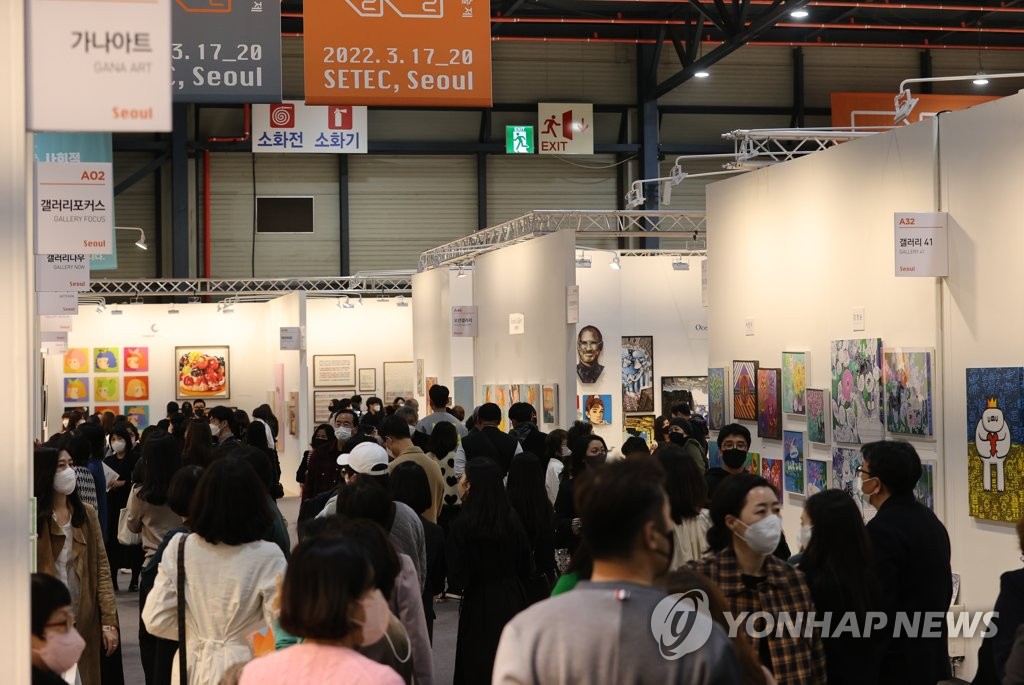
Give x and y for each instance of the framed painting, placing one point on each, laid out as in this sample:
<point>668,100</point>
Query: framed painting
<point>103,409</point>
<point>907,391</point>
<point>640,427</point>
<point>995,428</point>
<point>399,380</point>
<point>368,380</point>
<point>924,491</point>
<point>597,409</point>
<point>753,463</point>
<point>637,373</point>
<point>203,372</point>
<point>693,390</point>
<point>793,461</point>
<point>338,370</point>
<point>769,403</point>
<point>76,389</point>
<point>744,390</point>
<point>794,382</point>
<point>136,388</point>
<point>718,409</point>
<point>138,415</point>
<point>550,404</point>
<point>322,403</point>
<point>463,392</point>
<point>76,360</point>
<point>816,478</point>
<point>818,410</point>
<point>856,390</point>
<point>771,471</point>
<point>136,359</point>
<point>106,389</point>
<point>106,359</point>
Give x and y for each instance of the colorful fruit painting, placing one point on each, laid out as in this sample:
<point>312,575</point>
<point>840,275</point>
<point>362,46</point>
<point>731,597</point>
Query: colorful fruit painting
<point>202,372</point>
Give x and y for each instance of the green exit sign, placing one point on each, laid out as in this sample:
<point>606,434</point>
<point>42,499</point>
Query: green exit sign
<point>519,140</point>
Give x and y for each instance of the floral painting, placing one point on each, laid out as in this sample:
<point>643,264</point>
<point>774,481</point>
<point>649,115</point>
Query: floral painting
<point>769,404</point>
<point>771,471</point>
<point>907,383</point>
<point>816,478</point>
<point>753,463</point>
<point>845,462</point>
<point>794,382</point>
<point>817,423</point>
<point>744,390</point>
<point>717,411</point>
<point>856,390</point>
<point>793,461</point>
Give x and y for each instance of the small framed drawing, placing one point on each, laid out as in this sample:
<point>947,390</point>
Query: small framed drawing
<point>399,380</point>
<point>334,369</point>
<point>367,380</point>
<point>322,403</point>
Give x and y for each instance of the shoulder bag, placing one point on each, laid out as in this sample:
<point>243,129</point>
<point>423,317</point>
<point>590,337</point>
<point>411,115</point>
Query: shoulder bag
<point>182,653</point>
<point>125,536</point>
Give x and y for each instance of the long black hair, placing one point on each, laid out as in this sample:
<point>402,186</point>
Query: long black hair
<point>528,497</point>
<point>553,448</point>
<point>578,458</point>
<point>486,512</point>
<point>687,490</point>
<point>837,560</point>
<point>163,459</point>
<point>266,414</point>
<point>44,468</point>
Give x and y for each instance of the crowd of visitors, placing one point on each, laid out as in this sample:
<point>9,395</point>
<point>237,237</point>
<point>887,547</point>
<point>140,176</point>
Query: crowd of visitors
<point>571,563</point>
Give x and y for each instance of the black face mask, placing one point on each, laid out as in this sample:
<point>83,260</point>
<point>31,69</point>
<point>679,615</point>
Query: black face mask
<point>671,539</point>
<point>734,458</point>
<point>677,438</point>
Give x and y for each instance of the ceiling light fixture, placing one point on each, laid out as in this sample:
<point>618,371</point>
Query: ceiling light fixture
<point>344,302</point>
<point>101,307</point>
<point>173,309</point>
<point>582,261</point>
<point>799,14</point>
<point>402,301</point>
<point>116,311</point>
<point>141,242</point>
<point>980,79</point>
<point>462,272</point>
<point>701,74</point>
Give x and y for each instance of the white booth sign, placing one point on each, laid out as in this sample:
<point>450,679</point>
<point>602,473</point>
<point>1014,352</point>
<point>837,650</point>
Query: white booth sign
<point>291,338</point>
<point>920,244</point>
<point>572,304</point>
<point>99,66</point>
<point>62,273</point>
<point>74,208</point>
<point>516,324</point>
<point>54,342</point>
<point>57,304</point>
<point>296,127</point>
<point>464,322</point>
<point>55,324</point>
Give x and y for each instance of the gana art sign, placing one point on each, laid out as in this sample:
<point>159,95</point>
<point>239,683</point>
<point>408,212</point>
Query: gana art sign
<point>565,129</point>
<point>295,127</point>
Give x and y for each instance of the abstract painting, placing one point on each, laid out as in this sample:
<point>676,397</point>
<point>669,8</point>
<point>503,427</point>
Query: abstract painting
<point>771,471</point>
<point>76,360</point>
<point>597,409</point>
<point>202,372</point>
<point>640,427</point>
<point>718,381</point>
<point>715,457</point>
<point>105,360</point>
<point>637,373</point>
<point>793,461</point>
<point>817,416</point>
<point>138,415</point>
<point>856,390</point>
<point>924,491</point>
<point>816,479</point>
<point>794,382</point>
<point>995,426</point>
<point>136,388</point>
<point>753,463</point>
<point>907,390</point>
<point>76,389</point>
<point>550,409</point>
<point>136,359</point>
<point>744,390</point>
<point>769,404</point>
<point>693,390</point>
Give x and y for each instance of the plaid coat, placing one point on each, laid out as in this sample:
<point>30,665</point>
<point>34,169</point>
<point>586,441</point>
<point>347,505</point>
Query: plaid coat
<point>795,660</point>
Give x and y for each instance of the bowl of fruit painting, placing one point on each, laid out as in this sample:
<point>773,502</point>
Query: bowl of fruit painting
<point>202,372</point>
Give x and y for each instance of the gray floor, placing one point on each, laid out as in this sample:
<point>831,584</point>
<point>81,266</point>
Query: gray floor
<point>445,628</point>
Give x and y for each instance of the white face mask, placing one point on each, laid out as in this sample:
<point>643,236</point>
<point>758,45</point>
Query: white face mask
<point>858,486</point>
<point>64,422</point>
<point>215,429</point>
<point>62,650</point>
<point>65,481</point>
<point>118,445</point>
<point>343,433</point>
<point>805,536</point>
<point>376,617</point>
<point>763,537</point>
<point>566,452</point>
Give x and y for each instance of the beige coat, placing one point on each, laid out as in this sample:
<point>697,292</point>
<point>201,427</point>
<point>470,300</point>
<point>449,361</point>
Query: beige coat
<point>97,606</point>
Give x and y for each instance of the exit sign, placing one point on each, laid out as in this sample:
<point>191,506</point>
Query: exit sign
<point>519,140</point>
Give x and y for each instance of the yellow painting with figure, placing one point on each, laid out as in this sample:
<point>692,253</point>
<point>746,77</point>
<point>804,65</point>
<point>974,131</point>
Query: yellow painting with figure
<point>991,504</point>
<point>995,431</point>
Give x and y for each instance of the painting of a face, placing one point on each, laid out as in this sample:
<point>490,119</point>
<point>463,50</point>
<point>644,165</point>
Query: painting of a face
<point>596,413</point>
<point>589,345</point>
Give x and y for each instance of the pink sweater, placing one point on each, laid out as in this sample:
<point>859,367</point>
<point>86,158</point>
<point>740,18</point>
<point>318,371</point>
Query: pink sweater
<point>320,664</point>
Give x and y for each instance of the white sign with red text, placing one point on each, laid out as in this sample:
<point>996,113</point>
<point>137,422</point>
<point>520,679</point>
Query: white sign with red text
<point>62,273</point>
<point>99,66</point>
<point>295,127</point>
<point>74,208</point>
<point>565,128</point>
<point>56,304</point>
<point>920,244</point>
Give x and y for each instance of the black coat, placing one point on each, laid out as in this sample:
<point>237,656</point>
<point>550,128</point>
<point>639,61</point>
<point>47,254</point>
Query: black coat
<point>491,442</point>
<point>912,552</point>
<point>1009,616</point>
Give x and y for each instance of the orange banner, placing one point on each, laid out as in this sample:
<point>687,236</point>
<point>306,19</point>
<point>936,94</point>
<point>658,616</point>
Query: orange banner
<point>412,53</point>
<point>878,109</point>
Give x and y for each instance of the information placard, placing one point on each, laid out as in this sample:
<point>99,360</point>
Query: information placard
<point>74,208</point>
<point>62,273</point>
<point>226,51</point>
<point>96,65</point>
<point>920,244</point>
<point>56,304</point>
<point>415,53</point>
<point>294,127</point>
<point>464,322</point>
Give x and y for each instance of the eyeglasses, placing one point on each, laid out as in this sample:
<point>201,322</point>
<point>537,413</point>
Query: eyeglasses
<point>861,469</point>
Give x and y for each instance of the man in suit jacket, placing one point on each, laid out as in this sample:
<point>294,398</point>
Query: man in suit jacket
<point>912,560</point>
<point>489,441</point>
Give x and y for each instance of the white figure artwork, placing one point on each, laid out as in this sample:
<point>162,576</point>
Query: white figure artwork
<point>993,442</point>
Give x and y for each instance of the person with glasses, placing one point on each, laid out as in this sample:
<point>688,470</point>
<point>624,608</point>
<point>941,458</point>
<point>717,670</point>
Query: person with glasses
<point>56,644</point>
<point>733,444</point>
<point>588,452</point>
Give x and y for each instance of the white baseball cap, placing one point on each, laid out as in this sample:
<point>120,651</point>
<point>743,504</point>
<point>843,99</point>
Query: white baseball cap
<point>366,457</point>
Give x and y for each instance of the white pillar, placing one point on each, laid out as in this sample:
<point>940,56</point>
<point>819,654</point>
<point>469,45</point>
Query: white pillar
<point>18,348</point>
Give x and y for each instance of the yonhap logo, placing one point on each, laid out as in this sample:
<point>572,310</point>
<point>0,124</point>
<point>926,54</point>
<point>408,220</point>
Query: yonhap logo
<point>681,624</point>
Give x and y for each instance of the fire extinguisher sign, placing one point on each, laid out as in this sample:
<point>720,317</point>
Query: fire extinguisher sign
<point>292,126</point>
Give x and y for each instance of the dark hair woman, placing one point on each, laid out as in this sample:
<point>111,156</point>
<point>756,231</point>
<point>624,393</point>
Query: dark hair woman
<point>528,498</point>
<point>442,445</point>
<point>322,473</point>
<point>198,449</point>
<point>489,559</point>
<point>588,451</point>
<point>687,495</point>
<point>556,449</point>
<point>122,460</point>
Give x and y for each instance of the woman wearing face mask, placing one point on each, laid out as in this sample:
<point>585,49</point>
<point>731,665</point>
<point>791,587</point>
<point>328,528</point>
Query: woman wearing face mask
<point>56,644</point>
<point>122,459</point>
<point>745,530</point>
<point>328,599</point>
<point>70,547</point>
<point>225,557</point>
<point>322,472</point>
<point>679,433</point>
<point>589,451</point>
<point>838,565</point>
<point>556,449</point>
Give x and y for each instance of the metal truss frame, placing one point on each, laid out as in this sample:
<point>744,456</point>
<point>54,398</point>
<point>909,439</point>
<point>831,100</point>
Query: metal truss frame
<point>586,223</point>
<point>246,288</point>
<point>761,147</point>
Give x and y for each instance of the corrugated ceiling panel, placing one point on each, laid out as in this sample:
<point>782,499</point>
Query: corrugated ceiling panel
<point>829,70</point>
<point>517,185</point>
<point>549,72</point>
<point>402,206</point>
<point>749,76</point>
<point>136,207</point>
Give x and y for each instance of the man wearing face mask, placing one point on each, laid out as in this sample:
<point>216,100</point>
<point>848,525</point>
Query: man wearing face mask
<point>401,449</point>
<point>344,426</point>
<point>911,557</point>
<point>222,427</point>
<point>745,529</point>
<point>199,409</point>
<point>627,527</point>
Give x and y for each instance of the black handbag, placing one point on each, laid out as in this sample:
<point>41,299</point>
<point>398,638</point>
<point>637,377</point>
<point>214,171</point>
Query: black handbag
<point>182,655</point>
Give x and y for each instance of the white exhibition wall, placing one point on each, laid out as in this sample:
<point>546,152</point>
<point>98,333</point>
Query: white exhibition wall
<point>531,279</point>
<point>290,384</point>
<point>434,293</point>
<point>645,297</point>
<point>798,246</point>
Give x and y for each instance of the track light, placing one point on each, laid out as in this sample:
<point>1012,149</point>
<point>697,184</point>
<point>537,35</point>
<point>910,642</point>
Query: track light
<point>141,242</point>
<point>799,14</point>
<point>582,261</point>
<point>345,303</point>
<point>462,272</point>
<point>226,307</point>
<point>173,310</point>
<point>980,79</point>
<point>101,307</point>
<point>116,311</point>
<point>680,265</point>
<point>616,264</point>
<point>402,301</point>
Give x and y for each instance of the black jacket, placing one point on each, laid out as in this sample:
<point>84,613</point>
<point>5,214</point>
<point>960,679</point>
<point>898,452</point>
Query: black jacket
<point>912,553</point>
<point>1009,616</point>
<point>491,442</point>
